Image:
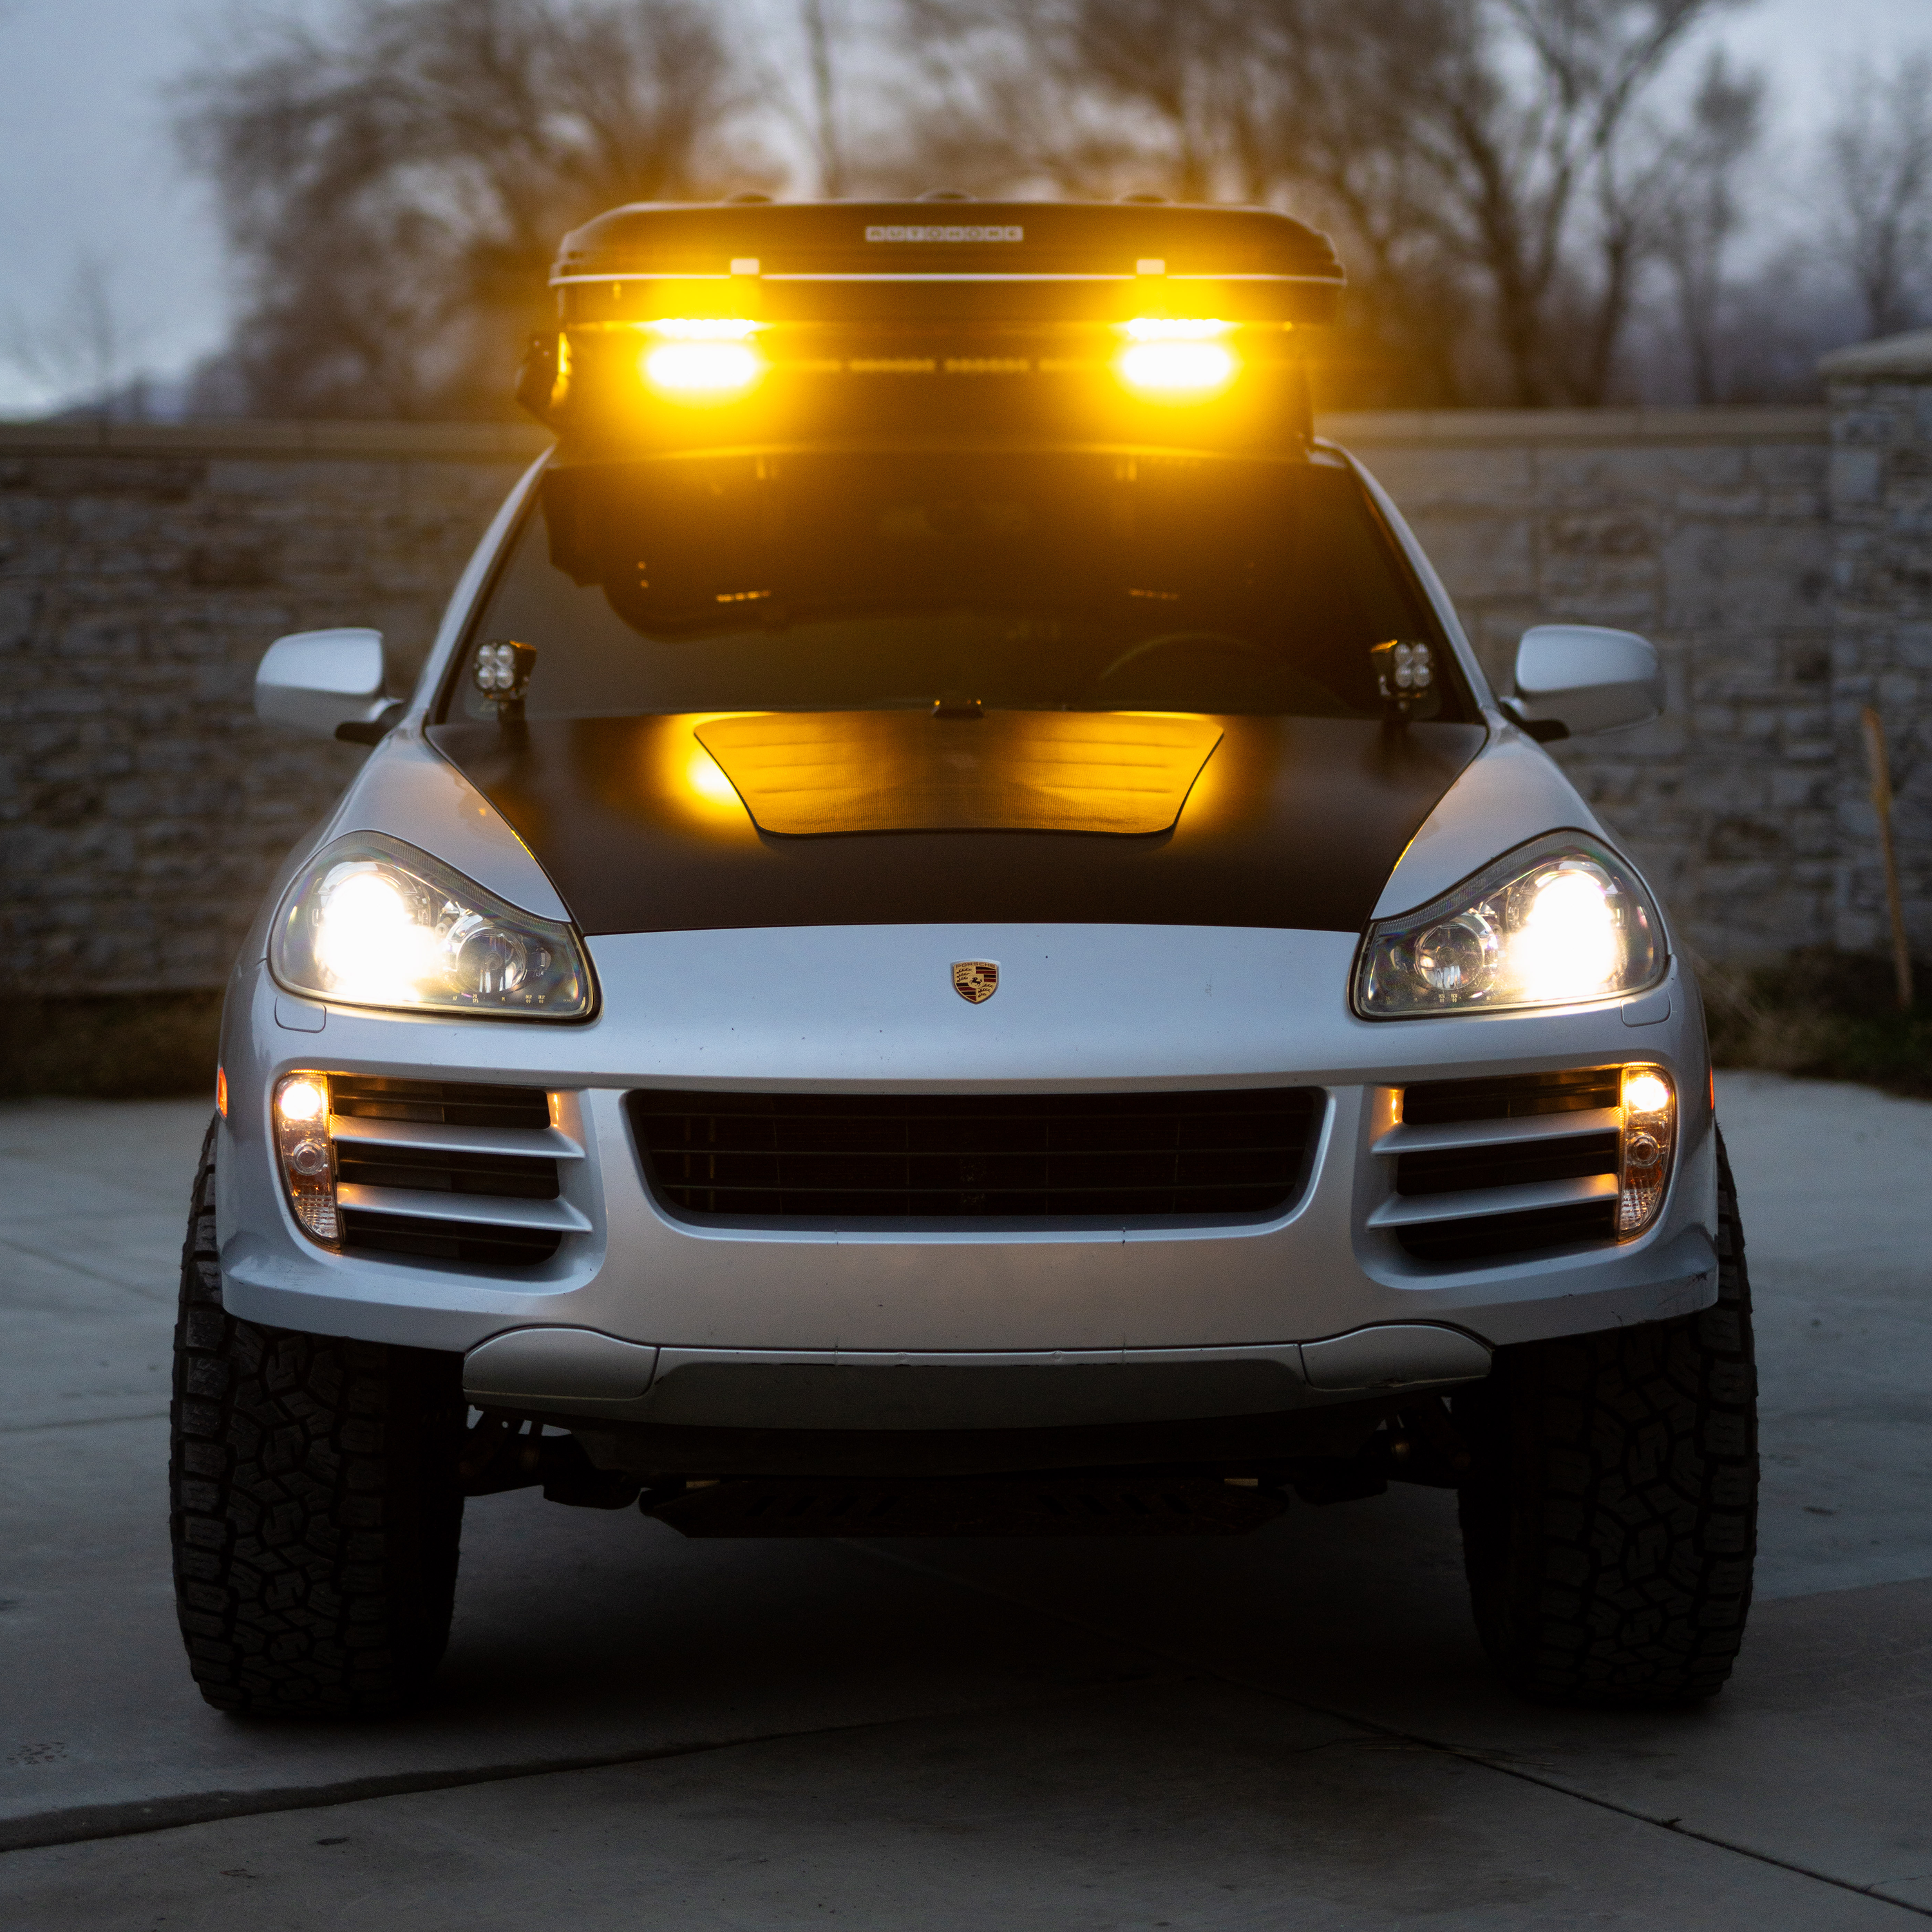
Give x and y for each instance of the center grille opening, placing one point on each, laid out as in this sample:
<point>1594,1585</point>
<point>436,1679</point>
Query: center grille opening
<point>1478,1165</point>
<point>471,1173</point>
<point>886,1156</point>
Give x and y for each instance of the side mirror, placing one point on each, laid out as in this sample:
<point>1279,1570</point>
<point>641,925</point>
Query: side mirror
<point>328,684</point>
<point>1572,679</point>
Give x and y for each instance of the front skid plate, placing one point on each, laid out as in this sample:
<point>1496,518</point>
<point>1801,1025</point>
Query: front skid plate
<point>1102,1505</point>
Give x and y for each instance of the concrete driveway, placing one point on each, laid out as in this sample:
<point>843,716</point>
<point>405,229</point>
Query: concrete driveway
<point>1291,1729</point>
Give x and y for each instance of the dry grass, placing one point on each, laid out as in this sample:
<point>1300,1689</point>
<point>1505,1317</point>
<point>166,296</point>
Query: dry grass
<point>1826,1016</point>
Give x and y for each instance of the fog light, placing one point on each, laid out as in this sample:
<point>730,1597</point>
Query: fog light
<point>307,1152</point>
<point>1645,1144</point>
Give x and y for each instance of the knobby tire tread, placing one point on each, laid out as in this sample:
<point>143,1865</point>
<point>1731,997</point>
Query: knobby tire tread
<point>316,1511</point>
<point>1609,1531</point>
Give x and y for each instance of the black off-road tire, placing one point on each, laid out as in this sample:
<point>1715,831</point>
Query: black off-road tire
<point>1610,1525</point>
<point>316,1506</point>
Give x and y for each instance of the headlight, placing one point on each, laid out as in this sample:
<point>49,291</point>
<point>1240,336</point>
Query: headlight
<point>1552,924</point>
<point>374,922</point>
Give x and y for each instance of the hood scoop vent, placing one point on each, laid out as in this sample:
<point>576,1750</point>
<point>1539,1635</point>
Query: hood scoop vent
<point>805,774</point>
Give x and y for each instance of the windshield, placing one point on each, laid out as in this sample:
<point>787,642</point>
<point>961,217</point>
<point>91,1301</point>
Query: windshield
<point>1024,582</point>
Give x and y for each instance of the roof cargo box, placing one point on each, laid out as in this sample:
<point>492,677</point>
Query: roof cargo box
<point>684,327</point>
<point>950,261</point>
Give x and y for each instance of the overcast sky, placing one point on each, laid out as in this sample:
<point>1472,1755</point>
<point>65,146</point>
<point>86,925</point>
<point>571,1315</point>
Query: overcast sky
<point>87,171</point>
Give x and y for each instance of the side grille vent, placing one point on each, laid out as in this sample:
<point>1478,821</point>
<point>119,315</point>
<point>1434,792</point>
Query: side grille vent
<point>446,1171</point>
<point>1487,1170</point>
<point>1516,1097</point>
<point>439,1102</point>
<point>886,1156</point>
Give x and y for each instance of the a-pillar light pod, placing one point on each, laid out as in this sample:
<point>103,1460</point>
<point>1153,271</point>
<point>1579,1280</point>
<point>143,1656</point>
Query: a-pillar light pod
<point>306,1152</point>
<point>702,358</point>
<point>1646,1141</point>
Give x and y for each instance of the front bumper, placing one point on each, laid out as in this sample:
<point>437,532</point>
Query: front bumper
<point>686,1319</point>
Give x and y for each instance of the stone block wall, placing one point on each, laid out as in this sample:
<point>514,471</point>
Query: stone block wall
<point>143,572</point>
<point>1710,532</point>
<point>1881,402</point>
<point>1778,558</point>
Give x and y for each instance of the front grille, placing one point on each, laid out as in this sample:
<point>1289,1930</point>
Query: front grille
<point>1063,1156</point>
<point>450,1170</point>
<point>1550,1140</point>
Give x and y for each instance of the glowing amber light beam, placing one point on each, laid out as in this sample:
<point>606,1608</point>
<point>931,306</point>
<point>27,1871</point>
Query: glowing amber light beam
<point>702,357</point>
<point>703,328</point>
<point>702,775</point>
<point>703,371</point>
<point>1170,371</point>
<point>1175,329</point>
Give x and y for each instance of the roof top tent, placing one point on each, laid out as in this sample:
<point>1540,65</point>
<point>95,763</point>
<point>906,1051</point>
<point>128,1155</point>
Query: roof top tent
<point>936,324</point>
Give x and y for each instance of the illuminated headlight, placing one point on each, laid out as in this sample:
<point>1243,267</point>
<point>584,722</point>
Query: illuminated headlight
<point>1552,924</point>
<point>702,359</point>
<point>374,922</point>
<point>1180,359</point>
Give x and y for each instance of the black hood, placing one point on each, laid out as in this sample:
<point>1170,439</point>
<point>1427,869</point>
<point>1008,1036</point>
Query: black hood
<point>1295,822</point>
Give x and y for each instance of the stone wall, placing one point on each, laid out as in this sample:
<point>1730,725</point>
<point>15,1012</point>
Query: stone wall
<point>143,570</point>
<point>1881,402</point>
<point>1710,532</point>
<point>143,573</point>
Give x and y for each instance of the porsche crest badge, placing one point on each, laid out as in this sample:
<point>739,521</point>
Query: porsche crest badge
<point>975,980</point>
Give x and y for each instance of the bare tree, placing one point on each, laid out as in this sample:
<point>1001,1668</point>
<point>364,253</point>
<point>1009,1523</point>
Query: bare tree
<point>82,355</point>
<point>827,134</point>
<point>1702,214</point>
<point>1479,158</point>
<point>393,191</point>
<point>1092,97</point>
<point>1879,155</point>
<point>1528,124</point>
